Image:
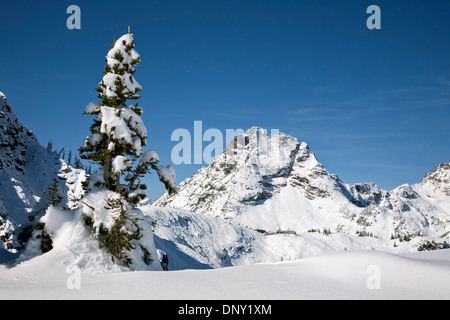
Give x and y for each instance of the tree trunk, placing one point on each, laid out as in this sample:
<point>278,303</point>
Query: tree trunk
<point>107,169</point>
<point>139,170</point>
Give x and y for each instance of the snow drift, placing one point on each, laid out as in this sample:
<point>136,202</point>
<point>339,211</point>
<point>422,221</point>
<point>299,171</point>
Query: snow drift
<point>346,275</point>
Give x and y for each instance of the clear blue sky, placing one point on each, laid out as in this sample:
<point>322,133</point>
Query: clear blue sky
<point>374,105</point>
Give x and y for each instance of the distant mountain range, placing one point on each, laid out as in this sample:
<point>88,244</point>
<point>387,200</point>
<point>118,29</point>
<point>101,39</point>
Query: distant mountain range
<point>263,199</point>
<point>275,184</point>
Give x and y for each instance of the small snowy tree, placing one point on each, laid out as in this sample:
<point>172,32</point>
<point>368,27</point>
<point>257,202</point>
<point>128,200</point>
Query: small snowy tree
<point>118,132</point>
<point>53,194</point>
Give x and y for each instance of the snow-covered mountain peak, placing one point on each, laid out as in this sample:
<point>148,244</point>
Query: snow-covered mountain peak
<point>2,96</point>
<point>256,145</point>
<point>268,156</point>
<point>274,183</point>
<point>254,168</point>
<point>437,182</point>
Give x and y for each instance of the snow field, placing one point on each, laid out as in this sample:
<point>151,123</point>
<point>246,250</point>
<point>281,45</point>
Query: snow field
<point>346,275</point>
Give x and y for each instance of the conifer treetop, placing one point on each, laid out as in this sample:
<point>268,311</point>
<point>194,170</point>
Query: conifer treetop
<point>118,84</point>
<point>118,132</point>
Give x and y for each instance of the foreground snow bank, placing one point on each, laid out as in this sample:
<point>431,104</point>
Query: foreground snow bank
<point>348,275</point>
<point>76,245</point>
<point>73,244</point>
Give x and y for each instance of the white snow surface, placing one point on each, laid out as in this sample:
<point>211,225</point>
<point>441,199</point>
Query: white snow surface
<point>75,246</point>
<point>246,264</point>
<point>167,173</point>
<point>346,275</point>
<point>92,107</point>
<point>121,164</point>
<point>149,156</point>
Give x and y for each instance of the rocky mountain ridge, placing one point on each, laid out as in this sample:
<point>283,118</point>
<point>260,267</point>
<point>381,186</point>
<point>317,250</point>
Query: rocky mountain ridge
<point>275,183</point>
<point>27,170</point>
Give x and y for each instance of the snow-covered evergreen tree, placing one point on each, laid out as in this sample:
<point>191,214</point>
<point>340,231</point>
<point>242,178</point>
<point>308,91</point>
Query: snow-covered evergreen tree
<point>118,132</point>
<point>116,143</point>
<point>54,194</point>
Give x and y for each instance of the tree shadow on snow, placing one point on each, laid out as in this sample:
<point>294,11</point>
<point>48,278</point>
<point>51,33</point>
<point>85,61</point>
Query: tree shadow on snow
<point>178,260</point>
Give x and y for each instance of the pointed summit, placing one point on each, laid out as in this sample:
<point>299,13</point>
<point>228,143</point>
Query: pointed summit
<point>254,169</point>
<point>437,182</point>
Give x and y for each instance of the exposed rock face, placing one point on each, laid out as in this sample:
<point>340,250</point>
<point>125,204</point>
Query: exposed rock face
<point>14,139</point>
<point>26,171</point>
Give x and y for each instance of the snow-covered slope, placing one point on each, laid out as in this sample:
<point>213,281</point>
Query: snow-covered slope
<point>346,275</point>
<point>275,184</point>
<point>200,241</point>
<point>26,171</point>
